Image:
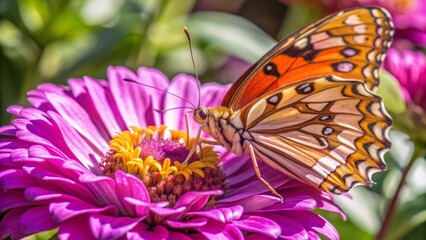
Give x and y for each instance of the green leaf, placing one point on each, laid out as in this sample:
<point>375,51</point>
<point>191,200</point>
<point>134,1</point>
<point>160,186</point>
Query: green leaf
<point>347,229</point>
<point>390,91</point>
<point>411,215</point>
<point>231,34</point>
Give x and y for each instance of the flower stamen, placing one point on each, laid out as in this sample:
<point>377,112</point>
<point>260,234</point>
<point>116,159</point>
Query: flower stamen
<point>148,153</point>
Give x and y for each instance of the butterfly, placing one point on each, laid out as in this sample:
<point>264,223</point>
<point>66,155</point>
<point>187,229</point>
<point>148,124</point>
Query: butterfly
<point>308,108</point>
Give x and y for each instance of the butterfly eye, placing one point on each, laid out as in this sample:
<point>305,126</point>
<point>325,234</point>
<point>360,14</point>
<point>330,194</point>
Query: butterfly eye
<point>202,114</point>
<point>271,69</point>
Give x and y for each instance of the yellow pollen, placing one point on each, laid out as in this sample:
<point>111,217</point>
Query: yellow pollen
<point>127,153</point>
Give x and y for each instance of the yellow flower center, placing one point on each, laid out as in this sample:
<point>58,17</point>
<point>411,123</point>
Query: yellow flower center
<point>156,155</point>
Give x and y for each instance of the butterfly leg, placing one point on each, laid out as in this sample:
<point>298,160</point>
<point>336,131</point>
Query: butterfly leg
<point>257,171</point>
<point>194,146</point>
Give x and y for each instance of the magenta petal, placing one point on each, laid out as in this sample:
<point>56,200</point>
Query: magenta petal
<point>197,222</point>
<point>194,201</point>
<point>131,98</point>
<point>260,225</point>
<point>216,230</point>
<point>10,224</point>
<point>62,211</point>
<point>315,223</point>
<point>8,130</point>
<point>186,87</point>
<point>290,229</point>
<point>75,228</point>
<point>41,194</point>
<point>143,231</point>
<point>15,178</point>
<point>232,165</point>
<point>301,202</point>
<point>213,94</point>
<point>12,199</point>
<point>159,208</point>
<point>82,96</point>
<point>78,118</point>
<point>102,100</point>
<point>161,211</point>
<point>106,227</point>
<point>130,186</point>
<point>15,110</point>
<point>251,203</point>
<point>155,78</point>
<point>221,214</point>
<point>43,222</point>
<point>178,235</point>
<point>76,144</point>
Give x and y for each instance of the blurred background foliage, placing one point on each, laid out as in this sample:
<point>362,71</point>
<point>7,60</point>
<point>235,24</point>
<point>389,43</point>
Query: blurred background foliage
<point>50,41</point>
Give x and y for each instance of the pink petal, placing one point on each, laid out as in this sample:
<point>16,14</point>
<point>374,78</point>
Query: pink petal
<point>216,230</point>
<point>186,87</point>
<point>143,231</point>
<point>131,99</point>
<point>105,106</point>
<point>260,225</point>
<point>106,227</point>
<point>43,220</point>
<point>67,229</point>
<point>62,211</point>
<point>197,222</point>
<point>221,214</point>
<point>78,146</point>
<point>78,118</point>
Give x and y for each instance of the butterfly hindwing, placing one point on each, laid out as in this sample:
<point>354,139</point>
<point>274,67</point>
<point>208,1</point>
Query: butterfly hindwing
<point>350,44</point>
<point>326,131</point>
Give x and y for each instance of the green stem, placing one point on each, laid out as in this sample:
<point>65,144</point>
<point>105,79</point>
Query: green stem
<point>392,207</point>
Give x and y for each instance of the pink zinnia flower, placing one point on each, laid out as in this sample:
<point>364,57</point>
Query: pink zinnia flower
<point>95,160</point>
<point>409,68</point>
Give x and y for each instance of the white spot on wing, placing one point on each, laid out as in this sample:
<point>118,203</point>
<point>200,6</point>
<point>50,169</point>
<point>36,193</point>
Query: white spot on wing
<point>302,43</point>
<point>352,20</point>
<point>273,99</point>
<point>375,109</point>
<point>360,28</point>
<point>376,73</point>
<point>376,13</point>
<point>329,43</point>
<point>319,37</point>
<point>371,56</point>
<point>366,72</point>
<point>359,39</point>
<point>344,67</point>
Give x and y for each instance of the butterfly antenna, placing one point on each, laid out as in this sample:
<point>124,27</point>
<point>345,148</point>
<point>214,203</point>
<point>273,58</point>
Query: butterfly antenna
<point>159,89</point>
<point>166,110</point>
<point>186,30</point>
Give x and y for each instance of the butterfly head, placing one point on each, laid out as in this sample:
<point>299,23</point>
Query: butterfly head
<point>201,115</point>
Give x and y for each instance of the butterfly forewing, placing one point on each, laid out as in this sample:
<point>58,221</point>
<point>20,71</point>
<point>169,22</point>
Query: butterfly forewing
<point>350,44</point>
<point>326,131</point>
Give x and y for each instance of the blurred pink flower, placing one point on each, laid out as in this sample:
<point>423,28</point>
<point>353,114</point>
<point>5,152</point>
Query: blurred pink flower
<point>84,159</point>
<point>409,68</point>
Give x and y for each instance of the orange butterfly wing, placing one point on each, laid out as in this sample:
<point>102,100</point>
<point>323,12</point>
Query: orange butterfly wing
<point>350,44</point>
